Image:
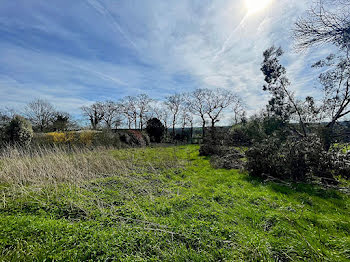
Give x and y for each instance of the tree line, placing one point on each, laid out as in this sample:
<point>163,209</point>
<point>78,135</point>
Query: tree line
<point>204,106</point>
<point>183,110</point>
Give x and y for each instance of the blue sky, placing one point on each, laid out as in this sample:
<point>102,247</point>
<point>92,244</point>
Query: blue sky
<point>75,52</point>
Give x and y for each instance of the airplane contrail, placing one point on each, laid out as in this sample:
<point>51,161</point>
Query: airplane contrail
<point>226,43</point>
<point>99,7</point>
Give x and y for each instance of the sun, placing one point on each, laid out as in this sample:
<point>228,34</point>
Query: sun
<point>254,6</point>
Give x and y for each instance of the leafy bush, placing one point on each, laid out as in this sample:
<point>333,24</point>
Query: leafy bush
<point>146,138</point>
<point>294,159</point>
<point>155,130</point>
<point>342,165</point>
<point>137,138</point>
<point>18,131</point>
<point>228,161</point>
<point>134,138</point>
<point>107,138</point>
<point>125,138</point>
<point>209,149</point>
<point>87,137</point>
<point>262,158</point>
<point>222,156</point>
<point>56,137</point>
<point>239,137</point>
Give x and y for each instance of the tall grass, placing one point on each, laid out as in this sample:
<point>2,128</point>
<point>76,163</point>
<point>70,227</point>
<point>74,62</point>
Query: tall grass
<point>159,204</point>
<point>56,164</point>
<point>74,165</point>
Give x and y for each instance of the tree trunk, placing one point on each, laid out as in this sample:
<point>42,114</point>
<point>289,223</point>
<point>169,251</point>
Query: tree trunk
<point>174,120</point>
<point>92,123</point>
<point>203,128</point>
<point>327,134</point>
<point>212,130</point>
<point>141,122</point>
<point>191,131</point>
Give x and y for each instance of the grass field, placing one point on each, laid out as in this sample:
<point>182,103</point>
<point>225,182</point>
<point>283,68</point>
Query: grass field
<point>164,204</point>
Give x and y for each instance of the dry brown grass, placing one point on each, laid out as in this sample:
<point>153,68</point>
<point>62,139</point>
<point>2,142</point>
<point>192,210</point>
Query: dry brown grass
<point>55,165</point>
<point>59,178</point>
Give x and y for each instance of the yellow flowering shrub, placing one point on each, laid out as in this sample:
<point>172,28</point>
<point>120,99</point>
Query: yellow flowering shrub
<point>70,136</point>
<point>60,137</point>
<point>56,137</point>
<point>86,137</point>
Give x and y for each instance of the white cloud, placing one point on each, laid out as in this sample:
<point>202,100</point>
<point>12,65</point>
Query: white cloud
<point>117,48</point>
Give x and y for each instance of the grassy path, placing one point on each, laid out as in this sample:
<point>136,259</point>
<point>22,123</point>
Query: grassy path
<point>171,205</point>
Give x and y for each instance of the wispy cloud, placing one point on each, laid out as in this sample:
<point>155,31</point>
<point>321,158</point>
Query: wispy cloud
<point>99,7</point>
<point>75,52</point>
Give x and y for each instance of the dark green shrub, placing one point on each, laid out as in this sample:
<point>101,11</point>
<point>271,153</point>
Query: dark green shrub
<point>222,156</point>
<point>134,138</point>
<point>228,161</point>
<point>209,149</point>
<point>238,136</point>
<point>297,159</point>
<point>106,138</point>
<point>18,131</point>
<point>146,138</point>
<point>125,138</point>
<point>342,164</point>
<point>264,159</point>
<point>137,138</point>
<point>256,130</point>
<point>155,130</point>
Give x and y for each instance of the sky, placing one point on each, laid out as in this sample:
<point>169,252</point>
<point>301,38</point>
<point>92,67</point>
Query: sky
<point>73,53</point>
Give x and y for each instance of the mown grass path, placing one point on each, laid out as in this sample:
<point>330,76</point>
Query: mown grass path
<point>172,206</point>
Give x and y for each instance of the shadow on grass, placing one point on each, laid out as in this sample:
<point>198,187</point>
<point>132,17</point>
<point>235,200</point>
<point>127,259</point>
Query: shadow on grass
<point>292,188</point>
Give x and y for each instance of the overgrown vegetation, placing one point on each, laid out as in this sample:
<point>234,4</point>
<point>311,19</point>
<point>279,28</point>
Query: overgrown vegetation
<point>274,187</point>
<point>17,131</point>
<point>161,204</point>
<point>155,130</point>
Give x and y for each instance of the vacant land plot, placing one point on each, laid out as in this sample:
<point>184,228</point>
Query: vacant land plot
<point>161,204</point>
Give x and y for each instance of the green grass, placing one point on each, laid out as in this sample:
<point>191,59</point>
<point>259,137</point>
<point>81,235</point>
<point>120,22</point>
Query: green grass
<point>172,206</point>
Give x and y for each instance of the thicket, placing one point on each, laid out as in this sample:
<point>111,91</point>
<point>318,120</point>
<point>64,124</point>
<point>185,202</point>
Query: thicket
<point>219,145</point>
<point>275,152</point>
<point>89,138</point>
<point>155,130</point>
<point>290,141</point>
<point>294,159</point>
<point>17,131</point>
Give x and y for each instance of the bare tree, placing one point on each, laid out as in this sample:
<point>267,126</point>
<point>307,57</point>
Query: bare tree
<point>217,100</point>
<point>40,112</point>
<point>197,104</point>
<point>173,103</point>
<point>161,111</point>
<point>327,21</point>
<point>6,115</point>
<point>335,83</point>
<point>111,113</point>
<point>129,109</point>
<point>238,110</point>
<point>157,108</point>
<point>94,113</point>
<point>62,121</point>
<point>186,114</point>
<point>186,119</point>
<point>143,107</point>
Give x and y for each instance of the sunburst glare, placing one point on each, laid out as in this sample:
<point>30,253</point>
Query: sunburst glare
<point>254,6</point>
